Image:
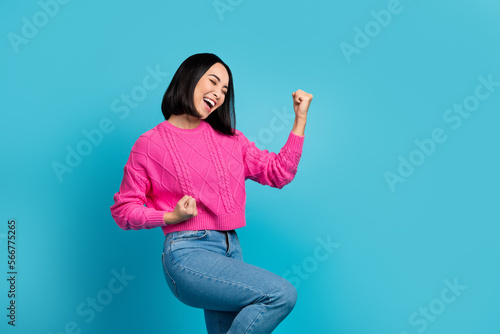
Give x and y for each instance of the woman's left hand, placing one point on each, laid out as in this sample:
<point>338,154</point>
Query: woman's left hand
<point>301,102</point>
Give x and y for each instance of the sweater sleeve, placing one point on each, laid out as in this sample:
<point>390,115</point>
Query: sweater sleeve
<point>129,210</point>
<point>269,168</point>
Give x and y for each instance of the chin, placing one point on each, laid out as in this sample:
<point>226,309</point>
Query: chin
<point>204,115</point>
<point>198,114</point>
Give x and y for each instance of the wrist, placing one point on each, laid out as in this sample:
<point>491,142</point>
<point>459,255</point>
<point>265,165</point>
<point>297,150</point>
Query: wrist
<point>299,125</point>
<point>169,218</point>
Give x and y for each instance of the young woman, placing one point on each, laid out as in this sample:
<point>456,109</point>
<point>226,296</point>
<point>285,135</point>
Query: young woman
<point>187,176</point>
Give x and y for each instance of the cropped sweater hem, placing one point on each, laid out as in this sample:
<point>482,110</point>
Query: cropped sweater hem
<point>221,222</point>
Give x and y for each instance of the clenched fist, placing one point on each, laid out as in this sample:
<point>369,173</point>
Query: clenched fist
<point>184,209</point>
<point>301,102</point>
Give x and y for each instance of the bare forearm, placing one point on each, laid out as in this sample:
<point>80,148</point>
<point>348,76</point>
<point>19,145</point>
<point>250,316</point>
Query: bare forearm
<point>185,209</point>
<point>299,125</point>
<point>170,218</point>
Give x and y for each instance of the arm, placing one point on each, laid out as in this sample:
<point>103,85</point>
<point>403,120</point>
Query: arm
<point>277,170</point>
<point>129,210</point>
<point>269,168</point>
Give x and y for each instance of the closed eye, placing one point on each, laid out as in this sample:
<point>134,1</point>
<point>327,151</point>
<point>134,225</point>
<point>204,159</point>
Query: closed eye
<point>224,92</point>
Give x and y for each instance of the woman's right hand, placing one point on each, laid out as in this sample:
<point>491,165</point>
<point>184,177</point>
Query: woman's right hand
<point>184,209</point>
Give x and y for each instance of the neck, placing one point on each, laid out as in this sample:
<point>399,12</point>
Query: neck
<point>184,121</point>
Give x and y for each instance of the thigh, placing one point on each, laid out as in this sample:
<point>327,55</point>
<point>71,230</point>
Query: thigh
<point>205,276</point>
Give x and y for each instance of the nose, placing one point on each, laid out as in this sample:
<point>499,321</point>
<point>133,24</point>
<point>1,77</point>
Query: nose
<point>217,95</point>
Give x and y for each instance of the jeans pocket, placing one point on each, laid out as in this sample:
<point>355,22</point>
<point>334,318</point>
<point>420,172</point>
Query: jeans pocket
<point>184,245</point>
<point>170,281</point>
<point>187,235</point>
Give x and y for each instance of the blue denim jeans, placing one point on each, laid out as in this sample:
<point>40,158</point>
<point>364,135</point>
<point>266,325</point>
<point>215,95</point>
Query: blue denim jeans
<point>205,269</point>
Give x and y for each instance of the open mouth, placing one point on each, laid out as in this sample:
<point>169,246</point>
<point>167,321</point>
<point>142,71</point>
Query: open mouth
<point>209,104</point>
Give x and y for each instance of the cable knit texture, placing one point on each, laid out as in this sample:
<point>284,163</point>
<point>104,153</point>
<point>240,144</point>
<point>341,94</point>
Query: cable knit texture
<point>168,162</point>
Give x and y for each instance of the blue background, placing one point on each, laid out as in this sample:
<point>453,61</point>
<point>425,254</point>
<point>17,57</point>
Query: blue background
<point>395,247</point>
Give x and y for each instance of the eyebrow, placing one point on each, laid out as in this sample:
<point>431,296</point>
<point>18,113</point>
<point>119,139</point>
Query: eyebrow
<point>218,79</point>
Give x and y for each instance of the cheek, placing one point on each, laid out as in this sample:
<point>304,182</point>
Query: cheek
<point>223,98</point>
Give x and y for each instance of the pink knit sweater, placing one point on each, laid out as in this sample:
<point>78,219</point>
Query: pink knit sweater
<point>168,162</point>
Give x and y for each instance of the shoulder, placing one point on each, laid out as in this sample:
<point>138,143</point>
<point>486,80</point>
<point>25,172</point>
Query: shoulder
<point>239,139</point>
<point>150,138</point>
<point>230,143</point>
<point>240,136</point>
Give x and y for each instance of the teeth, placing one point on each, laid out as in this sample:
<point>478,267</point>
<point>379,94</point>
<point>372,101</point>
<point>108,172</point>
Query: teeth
<point>212,103</point>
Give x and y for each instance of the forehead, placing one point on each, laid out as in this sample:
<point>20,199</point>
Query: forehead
<point>219,70</point>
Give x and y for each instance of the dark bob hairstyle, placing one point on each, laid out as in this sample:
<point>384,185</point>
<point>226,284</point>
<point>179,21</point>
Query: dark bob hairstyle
<point>179,96</point>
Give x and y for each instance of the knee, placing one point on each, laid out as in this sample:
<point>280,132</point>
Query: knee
<point>292,296</point>
<point>286,296</point>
